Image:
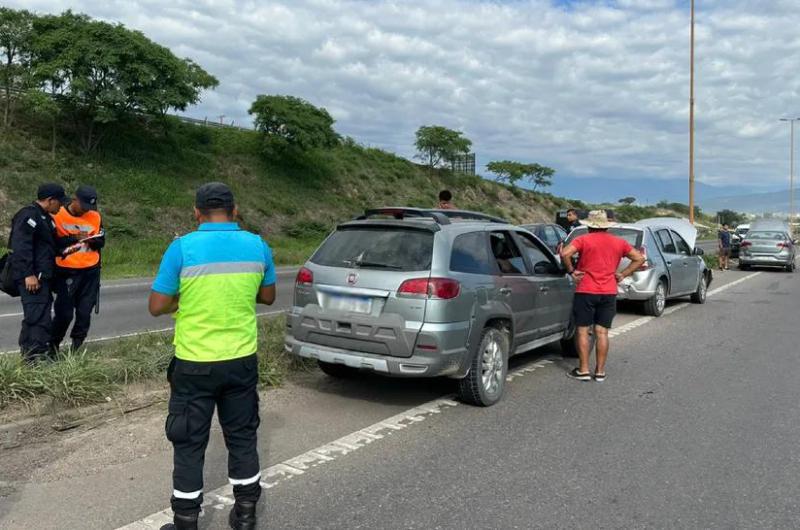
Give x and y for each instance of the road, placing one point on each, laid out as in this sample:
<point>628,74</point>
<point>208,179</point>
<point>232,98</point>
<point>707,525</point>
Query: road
<point>696,427</point>
<point>123,310</point>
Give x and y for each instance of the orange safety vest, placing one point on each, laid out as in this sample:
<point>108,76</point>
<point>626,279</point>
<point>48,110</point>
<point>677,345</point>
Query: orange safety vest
<point>86,225</point>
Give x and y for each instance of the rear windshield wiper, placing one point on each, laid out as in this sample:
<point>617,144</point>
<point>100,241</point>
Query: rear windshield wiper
<point>370,265</point>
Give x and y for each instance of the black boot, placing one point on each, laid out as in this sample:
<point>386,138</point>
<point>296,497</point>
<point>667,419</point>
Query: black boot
<point>76,344</point>
<point>182,522</point>
<point>243,516</point>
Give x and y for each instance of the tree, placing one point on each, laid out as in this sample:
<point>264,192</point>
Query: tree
<point>627,200</point>
<point>438,145</point>
<point>15,40</point>
<point>513,172</point>
<point>730,217</point>
<point>45,105</point>
<point>290,123</point>
<point>101,72</point>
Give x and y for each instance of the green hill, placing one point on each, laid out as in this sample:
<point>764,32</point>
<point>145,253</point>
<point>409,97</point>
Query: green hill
<point>146,174</point>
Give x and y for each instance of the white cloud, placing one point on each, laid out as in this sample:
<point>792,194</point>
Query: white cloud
<point>590,88</point>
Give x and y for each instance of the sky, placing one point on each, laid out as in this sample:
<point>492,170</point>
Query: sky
<point>594,89</point>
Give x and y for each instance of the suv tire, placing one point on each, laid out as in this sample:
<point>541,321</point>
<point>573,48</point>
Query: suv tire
<point>700,295</point>
<point>339,371</point>
<point>485,383</point>
<point>655,305</point>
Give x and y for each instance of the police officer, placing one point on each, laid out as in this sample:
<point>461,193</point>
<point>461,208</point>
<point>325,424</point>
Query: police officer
<point>34,246</point>
<point>77,280</point>
<point>215,275</point>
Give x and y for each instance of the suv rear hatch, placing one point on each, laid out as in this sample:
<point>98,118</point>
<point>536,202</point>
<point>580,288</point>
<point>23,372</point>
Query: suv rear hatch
<point>346,296</point>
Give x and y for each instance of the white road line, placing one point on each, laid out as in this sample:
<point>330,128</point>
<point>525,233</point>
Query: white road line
<point>147,332</point>
<point>7,315</point>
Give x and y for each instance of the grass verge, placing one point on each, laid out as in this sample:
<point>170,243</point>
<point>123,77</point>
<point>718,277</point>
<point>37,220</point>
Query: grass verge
<point>99,372</point>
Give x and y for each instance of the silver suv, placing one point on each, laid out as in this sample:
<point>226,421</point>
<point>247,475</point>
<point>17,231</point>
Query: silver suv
<point>426,293</point>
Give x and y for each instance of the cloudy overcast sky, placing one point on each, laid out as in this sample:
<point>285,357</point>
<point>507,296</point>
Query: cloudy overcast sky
<point>591,88</point>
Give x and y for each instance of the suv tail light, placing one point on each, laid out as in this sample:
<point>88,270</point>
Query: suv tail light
<point>646,265</point>
<point>783,245</point>
<point>436,288</point>
<point>304,277</point>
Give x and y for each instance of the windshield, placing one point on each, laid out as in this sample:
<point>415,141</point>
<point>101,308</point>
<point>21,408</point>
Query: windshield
<point>377,248</point>
<point>767,234</point>
<point>631,235</point>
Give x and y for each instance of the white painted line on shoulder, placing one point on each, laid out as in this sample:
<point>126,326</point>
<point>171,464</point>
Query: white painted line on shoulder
<point>8,315</point>
<point>221,498</point>
<point>727,286</point>
<point>147,332</point>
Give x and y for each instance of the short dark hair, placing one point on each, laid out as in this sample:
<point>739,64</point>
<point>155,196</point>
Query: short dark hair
<point>572,210</point>
<point>445,195</point>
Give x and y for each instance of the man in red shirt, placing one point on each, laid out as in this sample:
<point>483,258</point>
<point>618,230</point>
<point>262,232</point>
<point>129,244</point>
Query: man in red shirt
<point>596,293</point>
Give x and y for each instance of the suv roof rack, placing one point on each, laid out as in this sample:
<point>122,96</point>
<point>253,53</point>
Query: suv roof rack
<point>442,217</point>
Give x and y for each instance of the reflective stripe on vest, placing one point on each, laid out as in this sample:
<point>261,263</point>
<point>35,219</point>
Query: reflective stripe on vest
<point>80,227</point>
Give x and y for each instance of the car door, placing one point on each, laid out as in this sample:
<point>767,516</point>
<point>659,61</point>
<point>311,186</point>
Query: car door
<point>551,237</point>
<point>554,290</point>
<point>673,261</point>
<point>692,265</point>
<point>512,287</point>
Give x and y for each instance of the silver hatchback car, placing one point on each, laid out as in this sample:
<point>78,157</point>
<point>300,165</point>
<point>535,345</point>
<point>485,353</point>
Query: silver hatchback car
<point>426,293</point>
<point>673,268</point>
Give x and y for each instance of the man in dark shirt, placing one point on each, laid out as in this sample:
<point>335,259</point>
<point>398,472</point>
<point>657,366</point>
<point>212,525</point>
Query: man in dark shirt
<point>724,238</point>
<point>34,246</point>
<point>573,221</point>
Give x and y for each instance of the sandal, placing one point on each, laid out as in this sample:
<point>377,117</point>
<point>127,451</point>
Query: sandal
<point>599,377</point>
<point>575,374</point>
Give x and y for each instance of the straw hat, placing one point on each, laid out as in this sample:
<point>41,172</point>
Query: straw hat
<point>598,219</point>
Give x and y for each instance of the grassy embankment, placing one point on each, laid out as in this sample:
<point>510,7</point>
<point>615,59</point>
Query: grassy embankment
<point>146,178</point>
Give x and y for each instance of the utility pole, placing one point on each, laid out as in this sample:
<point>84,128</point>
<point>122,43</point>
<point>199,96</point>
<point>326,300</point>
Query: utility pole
<point>791,171</point>
<point>691,120</point>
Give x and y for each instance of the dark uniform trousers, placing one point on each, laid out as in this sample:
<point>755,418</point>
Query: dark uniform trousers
<point>35,334</point>
<point>76,294</point>
<point>196,388</point>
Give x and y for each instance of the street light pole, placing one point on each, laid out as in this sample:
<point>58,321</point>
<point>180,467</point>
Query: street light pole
<point>691,120</point>
<point>791,171</point>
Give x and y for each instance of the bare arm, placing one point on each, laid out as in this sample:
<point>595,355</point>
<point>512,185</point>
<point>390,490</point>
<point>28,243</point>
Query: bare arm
<point>637,260</point>
<point>162,304</point>
<point>266,295</point>
<point>566,258</point>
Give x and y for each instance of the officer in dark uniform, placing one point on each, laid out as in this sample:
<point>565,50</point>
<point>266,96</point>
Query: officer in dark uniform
<point>216,275</point>
<point>34,246</point>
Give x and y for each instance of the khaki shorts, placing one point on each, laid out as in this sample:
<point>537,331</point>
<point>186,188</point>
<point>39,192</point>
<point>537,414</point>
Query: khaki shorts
<point>725,252</point>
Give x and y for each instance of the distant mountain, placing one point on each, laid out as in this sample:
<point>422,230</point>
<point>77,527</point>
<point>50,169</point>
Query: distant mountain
<point>757,203</point>
<point>646,191</point>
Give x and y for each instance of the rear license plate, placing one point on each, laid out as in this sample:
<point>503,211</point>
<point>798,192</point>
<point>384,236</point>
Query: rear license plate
<point>353,304</point>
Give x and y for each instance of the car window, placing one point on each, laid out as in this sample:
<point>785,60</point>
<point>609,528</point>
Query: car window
<point>506,254</point>
<point>682,245</point>
<point>471,254</point>
<point>551,236</point>
<point>631,235</point>
<point>767,234</point>
<point>562,234</point>
<point>665,242</point>
<point>538,257</point>
<point>377,248</point>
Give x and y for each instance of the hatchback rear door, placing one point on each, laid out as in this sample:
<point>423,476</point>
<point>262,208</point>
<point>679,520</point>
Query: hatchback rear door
<point>365,289</point>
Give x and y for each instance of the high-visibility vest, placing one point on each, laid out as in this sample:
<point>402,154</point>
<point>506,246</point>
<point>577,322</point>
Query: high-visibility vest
<point>86,225</point>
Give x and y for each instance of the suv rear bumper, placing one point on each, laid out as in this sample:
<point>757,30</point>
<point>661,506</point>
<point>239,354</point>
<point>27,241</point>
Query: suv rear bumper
<point>433,364</point>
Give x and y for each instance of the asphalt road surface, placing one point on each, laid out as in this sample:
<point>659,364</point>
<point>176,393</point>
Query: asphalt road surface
<point>123,310</point>
<point>695,427</point>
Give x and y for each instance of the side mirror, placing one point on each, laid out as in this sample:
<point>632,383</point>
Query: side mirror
<point>699,251</point>
<point>545,267</point>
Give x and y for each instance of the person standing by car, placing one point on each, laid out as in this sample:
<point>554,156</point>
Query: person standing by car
<point>595,302</point>
<point>215,276</point>
<point>446,200</point>
<point>572,219</point>
<point>77,280</point>
<point>724,238</point>
<point>33,255</point>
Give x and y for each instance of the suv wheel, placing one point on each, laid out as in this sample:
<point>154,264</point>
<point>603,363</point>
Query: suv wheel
<point>486,381</point>
<point>699,296</point>
<point>654,307</point>
<point>339,371</point>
